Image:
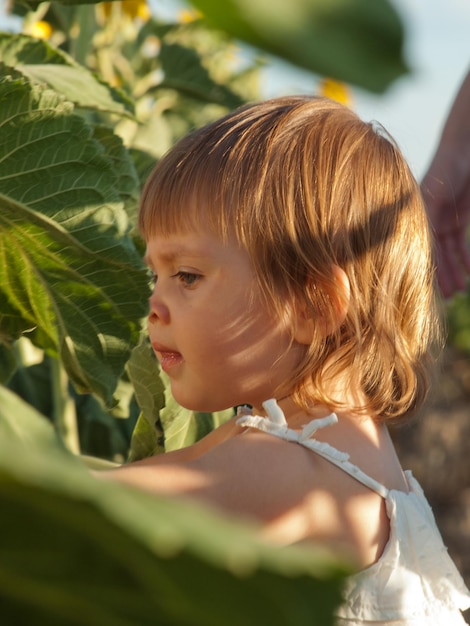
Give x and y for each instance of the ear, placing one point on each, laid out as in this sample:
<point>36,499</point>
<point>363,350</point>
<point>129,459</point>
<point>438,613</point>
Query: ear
<point>337,295</point>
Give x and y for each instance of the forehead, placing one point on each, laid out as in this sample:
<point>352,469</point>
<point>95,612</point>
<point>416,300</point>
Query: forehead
<point>170,246</point>
<point>196,246</point>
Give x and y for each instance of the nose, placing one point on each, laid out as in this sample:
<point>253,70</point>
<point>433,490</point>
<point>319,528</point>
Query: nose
<point>159,311</point>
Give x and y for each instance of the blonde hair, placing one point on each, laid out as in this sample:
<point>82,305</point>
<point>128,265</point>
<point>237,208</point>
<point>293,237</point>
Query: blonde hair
<point>305,185</point>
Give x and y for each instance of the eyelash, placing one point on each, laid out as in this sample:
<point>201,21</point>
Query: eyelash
<point>188,279</point>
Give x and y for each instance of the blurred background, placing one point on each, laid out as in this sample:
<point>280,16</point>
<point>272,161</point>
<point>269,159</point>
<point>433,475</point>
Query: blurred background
<point>437,49</point>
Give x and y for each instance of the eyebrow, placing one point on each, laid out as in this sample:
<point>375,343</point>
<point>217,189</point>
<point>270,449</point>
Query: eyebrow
<point>177,251</point>
<point>166,258</point>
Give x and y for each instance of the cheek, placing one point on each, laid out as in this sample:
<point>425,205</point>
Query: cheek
<point>261,338</point>
<point>227,337</point>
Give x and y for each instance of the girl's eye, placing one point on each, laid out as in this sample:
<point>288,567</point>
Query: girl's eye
<point>187,279</point>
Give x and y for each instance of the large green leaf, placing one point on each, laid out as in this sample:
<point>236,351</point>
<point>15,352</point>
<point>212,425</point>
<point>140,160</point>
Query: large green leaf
<point>75,550</point>
<point>69,271</point>
<point>127,178</point>
<point>358,41</point>
<point>45,64</point>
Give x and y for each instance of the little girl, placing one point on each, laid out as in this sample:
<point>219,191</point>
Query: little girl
<point>293,274</point>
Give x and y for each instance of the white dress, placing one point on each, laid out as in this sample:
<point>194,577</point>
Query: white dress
<point>414,582</point>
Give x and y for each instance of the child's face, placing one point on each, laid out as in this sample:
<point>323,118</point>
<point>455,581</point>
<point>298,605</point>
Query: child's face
<point>208,325</point>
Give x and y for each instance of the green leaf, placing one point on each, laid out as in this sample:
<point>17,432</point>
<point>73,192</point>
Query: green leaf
<point>23,425</point>
<point>146,440</point>
<point>184,72</point>
<point>183,427</point>
<point>80,551</point>
<point>69,271</point>
<point>357,41</point>
<point>44,64</point>
<point>143,163</point>
<point>102,433</point>
<point>123,165</point>
<point>144,373</point>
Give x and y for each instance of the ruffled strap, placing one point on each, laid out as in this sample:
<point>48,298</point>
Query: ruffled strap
<point>276,424</point>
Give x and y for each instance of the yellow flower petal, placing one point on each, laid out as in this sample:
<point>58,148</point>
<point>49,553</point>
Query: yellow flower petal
<point>188,15</point>
<point>336,90</point>
<point>131,8</point>
<point>40,30</point>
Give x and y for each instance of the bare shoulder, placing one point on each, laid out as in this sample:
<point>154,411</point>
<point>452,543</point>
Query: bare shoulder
<point>291,492</point>
<point>297,495</point>
<point>248,474</point>
<point>257,475</point>
<point>171,472</point>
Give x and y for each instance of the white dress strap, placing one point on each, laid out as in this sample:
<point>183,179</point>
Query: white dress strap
<point>275,424</point>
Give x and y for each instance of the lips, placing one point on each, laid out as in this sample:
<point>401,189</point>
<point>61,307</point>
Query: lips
<point>168,358</point>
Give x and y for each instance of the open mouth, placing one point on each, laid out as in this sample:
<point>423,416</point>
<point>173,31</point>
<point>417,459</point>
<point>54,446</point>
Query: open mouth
<point>167,358</point>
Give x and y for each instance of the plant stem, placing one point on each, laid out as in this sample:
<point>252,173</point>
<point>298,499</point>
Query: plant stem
<point>85,28</point>
<point>64,413</point>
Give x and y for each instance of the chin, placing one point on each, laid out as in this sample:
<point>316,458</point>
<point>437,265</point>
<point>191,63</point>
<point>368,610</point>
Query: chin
<point>201,404</point>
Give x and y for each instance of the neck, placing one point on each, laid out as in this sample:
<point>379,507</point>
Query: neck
<point>295,415</point>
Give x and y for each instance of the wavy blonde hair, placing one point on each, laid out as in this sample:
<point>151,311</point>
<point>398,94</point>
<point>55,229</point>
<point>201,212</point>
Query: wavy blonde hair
<point>304,185</point>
